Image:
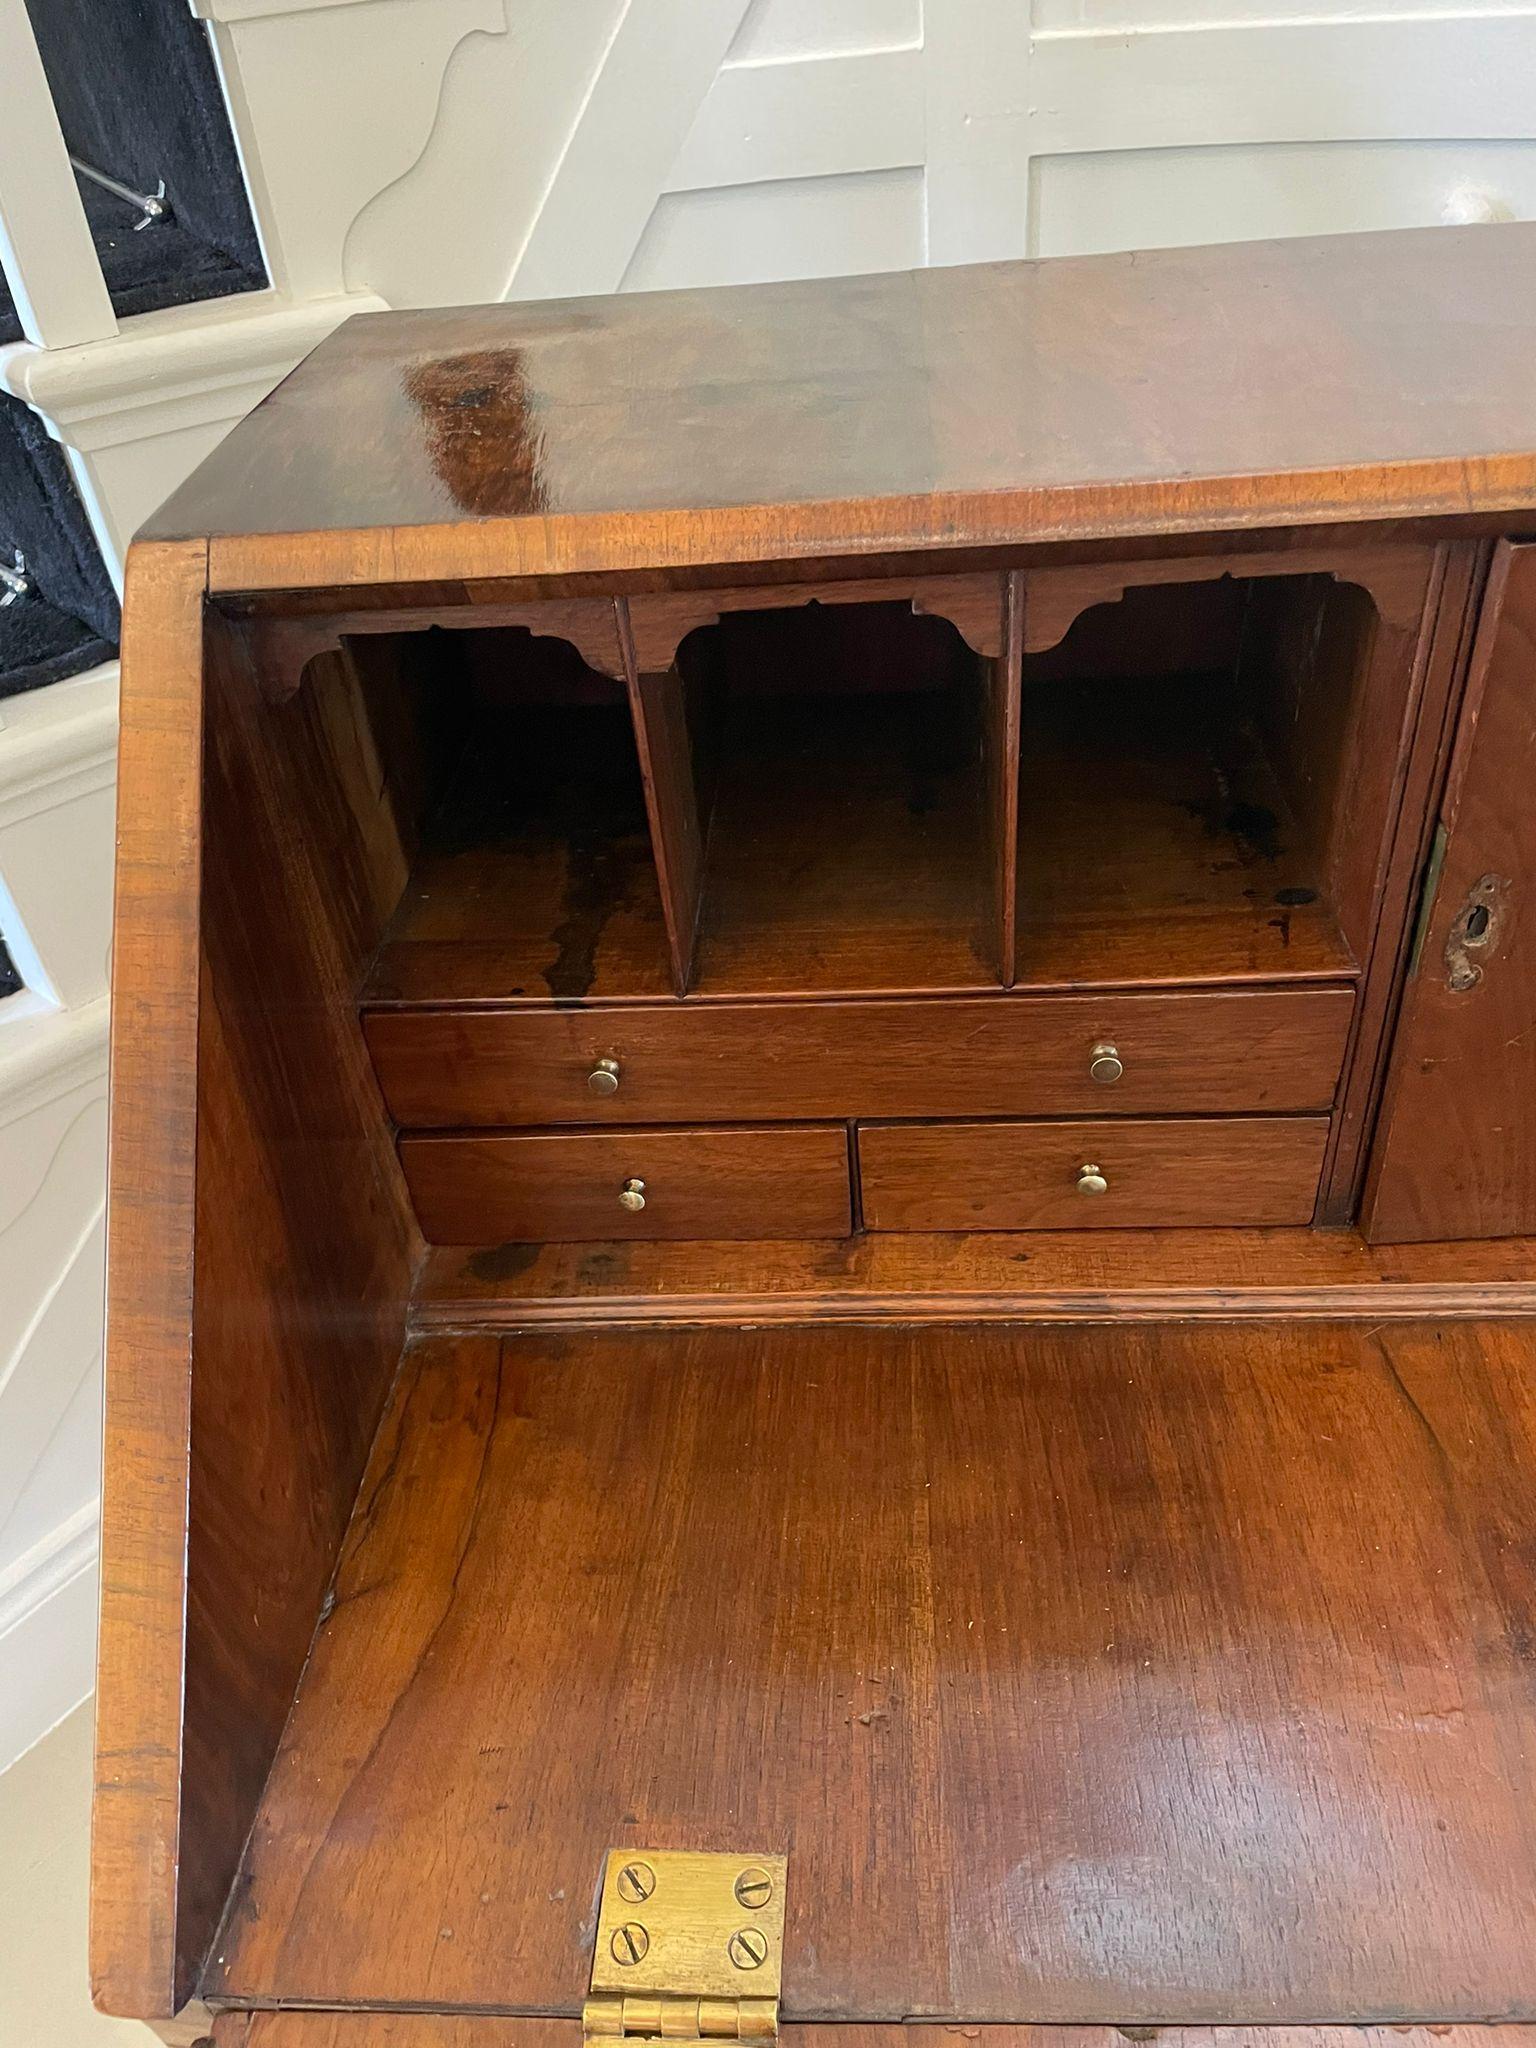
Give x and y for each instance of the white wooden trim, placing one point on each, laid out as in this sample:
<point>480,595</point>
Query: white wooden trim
<point>62,1553</point>
<point>57,761</point>
<point>56,770</point>
<point>135,413</point>
<point>773,31</point>
<point>332,104</point>
<point>257,10</point>
<point>63,1331</point>
<point>178,368</point>
<point>58,744</point>
<point>649,84</point>
<point>52,1253</point>
<point>807,118</point>
<point>978,84</point>
<point>46,250</point>
<point>48,1632</point>
<point>45,1057</point>
<point>1132,17</point>
<point>1287,81</point>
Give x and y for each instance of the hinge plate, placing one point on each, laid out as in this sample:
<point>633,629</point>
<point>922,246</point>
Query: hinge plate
<point>689,1947</point>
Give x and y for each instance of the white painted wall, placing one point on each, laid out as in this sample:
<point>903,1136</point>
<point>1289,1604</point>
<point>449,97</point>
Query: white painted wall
<point>136,404</point>
<point>600,146</point>
<point>57,758</point>
<point>439,151</point>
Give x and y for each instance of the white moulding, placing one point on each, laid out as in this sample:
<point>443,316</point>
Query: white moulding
<point>187,366</point>
<point>330,104</point>
<point>257,10</point>
<point>48,1633</point>
<point>57,743</point>
<point>44,1057</point>
<point>58,760</point>
<point>61,1556</point>
<point>137,413</point>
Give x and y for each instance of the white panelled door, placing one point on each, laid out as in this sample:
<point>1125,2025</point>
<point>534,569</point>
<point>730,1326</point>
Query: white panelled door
<point>721,141</point>
<point>732,140</point>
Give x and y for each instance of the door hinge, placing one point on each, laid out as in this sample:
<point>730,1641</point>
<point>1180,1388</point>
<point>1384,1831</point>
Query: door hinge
<point>689,1947</point>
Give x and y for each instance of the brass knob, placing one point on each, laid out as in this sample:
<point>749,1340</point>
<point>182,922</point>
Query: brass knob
<point>1090,1181</point>
<point>604,1078</point>
<point>1104,1062</point>
<point>632,1195</point>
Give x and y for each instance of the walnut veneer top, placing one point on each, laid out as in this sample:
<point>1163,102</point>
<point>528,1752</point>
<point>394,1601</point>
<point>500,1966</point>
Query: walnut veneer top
<point>1258,384</point>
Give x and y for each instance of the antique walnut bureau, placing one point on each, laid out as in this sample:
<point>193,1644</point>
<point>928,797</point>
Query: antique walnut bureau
<point>824,1146</point>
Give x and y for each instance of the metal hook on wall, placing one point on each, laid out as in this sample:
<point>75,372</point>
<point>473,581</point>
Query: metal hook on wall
<point>152,205</point>
<point>15,582</point>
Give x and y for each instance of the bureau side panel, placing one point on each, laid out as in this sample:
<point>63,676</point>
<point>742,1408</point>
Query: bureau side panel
<point>292,1248</point>
<point>149,1296</point>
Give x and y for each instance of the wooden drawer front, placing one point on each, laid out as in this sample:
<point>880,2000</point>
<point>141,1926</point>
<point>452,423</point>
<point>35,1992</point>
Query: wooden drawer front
<point>1000,1055</point>
<point>1016,1176</point>
<point>549,1187</point>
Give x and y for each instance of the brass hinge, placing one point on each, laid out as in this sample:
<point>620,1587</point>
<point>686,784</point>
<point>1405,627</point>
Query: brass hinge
<point>689,1948</point>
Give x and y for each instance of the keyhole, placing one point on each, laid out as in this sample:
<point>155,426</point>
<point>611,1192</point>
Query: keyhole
<point>1474,930</point>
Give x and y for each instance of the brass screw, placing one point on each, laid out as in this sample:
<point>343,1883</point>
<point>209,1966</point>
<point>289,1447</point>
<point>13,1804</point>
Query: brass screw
<point>754,1888</point>
<point>636,1881</point>
<point>629,1943</point>
<point>748,1950</point>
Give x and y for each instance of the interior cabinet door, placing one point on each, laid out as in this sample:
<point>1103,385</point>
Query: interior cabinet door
<point>1456,1150</point>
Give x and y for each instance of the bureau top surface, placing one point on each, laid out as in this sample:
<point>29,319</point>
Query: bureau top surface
<point>1257,384</point>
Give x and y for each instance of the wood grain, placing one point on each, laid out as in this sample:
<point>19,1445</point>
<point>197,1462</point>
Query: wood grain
<point>284,642</point>
<point>1012,1276</point>
<point>481,2030</point>
<point>973,605</point>
<point>1439,670</point>
<point>1234,808</point>
<point>984,1056</point>
<point>1168,1172</point>
<point>1157,846</point>
<point>848,846</point>
<point>1363,539</point>
<point>138,1965</point>
<point>1099,1659</point>
<point>1057,597</point>
<point>1333,690</point>
<point>659,706</point>
<point>1002,681</point>
<point>536,880</point>
<point>305,1243</point>
<point>1456,1151</point>
<point>785,1180</point>
<point>1008,404</point>
<point>261,1219</point>
<point>1178,1672</point>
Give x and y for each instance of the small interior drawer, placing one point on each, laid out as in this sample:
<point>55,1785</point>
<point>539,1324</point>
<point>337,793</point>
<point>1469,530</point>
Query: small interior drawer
<point>1000,1055</point>
<point>1072,1175</point>
<point>549,1187</point>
